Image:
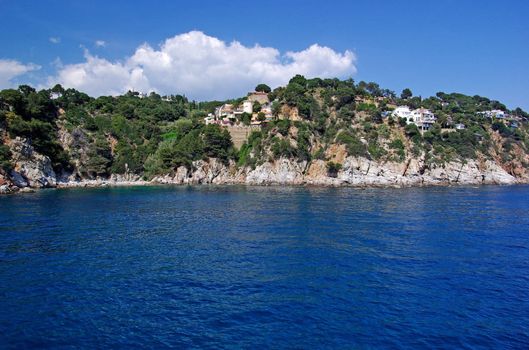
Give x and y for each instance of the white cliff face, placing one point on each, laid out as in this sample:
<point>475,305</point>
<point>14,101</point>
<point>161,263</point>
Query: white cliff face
<point>202,172</point>
<point>355,172</point>
<point>364,172</point>
<point>30,167</point>
<point>360,171</point>
<point>282,171</point>
<point>34,170</point>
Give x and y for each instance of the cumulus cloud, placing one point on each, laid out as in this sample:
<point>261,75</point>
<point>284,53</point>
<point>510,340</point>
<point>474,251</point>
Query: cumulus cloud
<point>202,67</point>
<point>100,43</point>
<point>10,69</point>
<point>55,40</point>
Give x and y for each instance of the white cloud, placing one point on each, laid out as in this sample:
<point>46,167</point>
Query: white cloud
<point>202,67</point>
<point>55,40</point>
<point>100,43</point>
<point>10,69</point>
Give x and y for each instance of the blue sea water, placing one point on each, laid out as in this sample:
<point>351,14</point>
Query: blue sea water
<point>265,267</point>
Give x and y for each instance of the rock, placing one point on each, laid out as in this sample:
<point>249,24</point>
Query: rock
<point>282,171</point>
<point>4,189</point>
<point>26,190</point>
<point>18,180</point>
<point>30,167</point>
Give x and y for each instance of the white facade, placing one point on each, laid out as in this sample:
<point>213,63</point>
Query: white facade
<point>227,114</point>
<point>210,119</point>
<point>421,117</point>
<point>247,107</point>
<point>402,112</point>
<point>495,113</point>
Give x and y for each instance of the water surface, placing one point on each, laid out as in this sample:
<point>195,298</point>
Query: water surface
<point>265,267</point>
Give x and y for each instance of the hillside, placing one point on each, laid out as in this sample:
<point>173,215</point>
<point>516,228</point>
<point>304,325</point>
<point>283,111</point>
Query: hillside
<point>312,131</point>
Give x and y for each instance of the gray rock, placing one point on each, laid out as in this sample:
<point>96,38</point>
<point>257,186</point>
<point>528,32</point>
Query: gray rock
<point>4,189</point>
<point>30,167</point>
<point>17,179</point>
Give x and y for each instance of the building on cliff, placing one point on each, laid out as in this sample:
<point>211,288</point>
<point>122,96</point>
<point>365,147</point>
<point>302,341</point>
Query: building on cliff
<point>495,113</point>
<point>228,114</point>
<point>421,117</point>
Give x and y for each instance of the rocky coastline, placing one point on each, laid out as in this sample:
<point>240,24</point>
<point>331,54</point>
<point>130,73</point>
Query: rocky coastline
<point>33,171</point>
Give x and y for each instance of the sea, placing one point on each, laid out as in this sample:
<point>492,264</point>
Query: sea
<point>237,267</point>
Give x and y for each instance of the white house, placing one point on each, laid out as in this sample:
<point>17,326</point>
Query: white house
<point>224,111</point>
<point>402,112</point>
<point>460,126</point>
<point>227,114</point>
<point>247,107</point>
<point>210,119</point>
<point>495,113</point>
<point>421,117</point>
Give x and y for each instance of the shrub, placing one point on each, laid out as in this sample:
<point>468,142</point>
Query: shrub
<point>333,169</point>
<point>353,145</point>
<point>99,158</point>
<point>5,158</point>
<point>398,146</point>
<point>283,126</point>
<point>375,150</point>
<point>282,148</point>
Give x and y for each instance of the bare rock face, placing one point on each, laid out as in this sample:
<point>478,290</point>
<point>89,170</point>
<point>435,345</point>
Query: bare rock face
<point>355,172</point>
<point>30,167</point>
<point>6,186</point>
<point>317,174</point>
<point>18,180</point>
<point>212,171</point>
<point>360,171</point>
<point>282,171</point>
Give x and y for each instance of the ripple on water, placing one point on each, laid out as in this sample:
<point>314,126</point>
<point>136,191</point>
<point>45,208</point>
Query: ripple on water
<point>265,266</point>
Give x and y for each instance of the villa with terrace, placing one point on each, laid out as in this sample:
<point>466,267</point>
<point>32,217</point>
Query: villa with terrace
<point>421,117</point>
<point>228,114</point>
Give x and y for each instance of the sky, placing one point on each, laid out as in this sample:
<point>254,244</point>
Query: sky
<point>217,50</point>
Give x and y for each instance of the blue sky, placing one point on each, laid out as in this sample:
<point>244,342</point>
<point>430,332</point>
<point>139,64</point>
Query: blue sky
<point>452,46</point>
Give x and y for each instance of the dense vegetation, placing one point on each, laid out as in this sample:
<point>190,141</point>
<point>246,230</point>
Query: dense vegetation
<point>155,135</point>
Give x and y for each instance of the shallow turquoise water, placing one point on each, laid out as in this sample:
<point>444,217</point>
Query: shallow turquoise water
<point>265,267</point>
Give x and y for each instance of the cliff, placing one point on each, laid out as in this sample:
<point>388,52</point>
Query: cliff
<point>357,172</point>
<point>314,132</point>
<point>33,170</point>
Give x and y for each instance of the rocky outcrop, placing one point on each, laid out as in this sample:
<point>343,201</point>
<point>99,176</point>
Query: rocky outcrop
<point>283,171</point>
<point>31,169</point>
<point>203,172</point>
<point>355,172</point>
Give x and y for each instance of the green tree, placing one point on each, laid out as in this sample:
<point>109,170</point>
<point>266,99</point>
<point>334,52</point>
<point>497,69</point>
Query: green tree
<point>263,88</point>
<point>5,158</point>
<point>256,107</point>
<point>217,142</point>
<point>246,118</point>
<point>406,94</point>
<point>99,158</point>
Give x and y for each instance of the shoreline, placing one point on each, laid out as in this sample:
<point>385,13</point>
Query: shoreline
<point>143,183</point>
<point>125,184</point>
<point>357,173</point>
